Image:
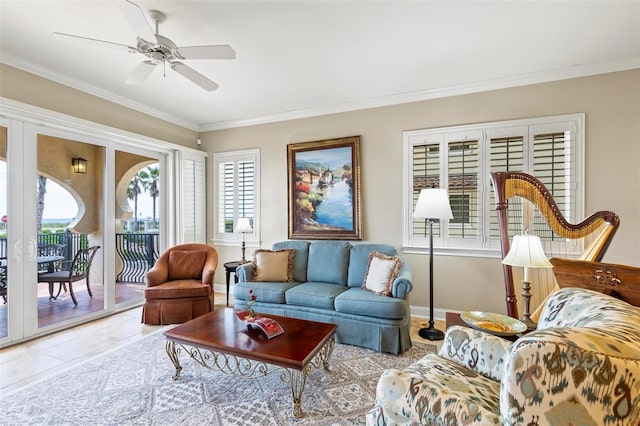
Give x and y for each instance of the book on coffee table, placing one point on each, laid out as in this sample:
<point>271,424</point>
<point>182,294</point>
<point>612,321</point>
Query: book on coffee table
<point>269,326</point>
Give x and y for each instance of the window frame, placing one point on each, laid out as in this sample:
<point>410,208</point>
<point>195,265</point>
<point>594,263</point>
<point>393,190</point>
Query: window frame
<point>231,238</point>
<point>483,245</point>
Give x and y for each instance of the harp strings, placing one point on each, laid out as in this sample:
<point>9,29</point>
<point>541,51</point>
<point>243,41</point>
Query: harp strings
<point>525,215</point>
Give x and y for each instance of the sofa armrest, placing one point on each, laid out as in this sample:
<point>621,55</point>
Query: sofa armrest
<point>481,352</point>
<point>578,373</point>
<point>402,284</point>
<point>244,272</point>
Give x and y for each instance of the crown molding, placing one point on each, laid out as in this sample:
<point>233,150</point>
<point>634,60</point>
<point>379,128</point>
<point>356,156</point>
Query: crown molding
<point>94,91</point>
<point>575,71</point>
<point>582,70</point>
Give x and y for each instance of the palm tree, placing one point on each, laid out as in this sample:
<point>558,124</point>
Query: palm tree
<point>42,190</point>
<point>151,185</point>
<point>133,190</point>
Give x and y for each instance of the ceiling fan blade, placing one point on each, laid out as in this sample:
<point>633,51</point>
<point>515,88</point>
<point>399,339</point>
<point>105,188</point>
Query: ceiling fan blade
<point>193,75</point>
<point>137,20</point>
<point>221,51</point>
<point>141,73</point>
<point>93,41</point>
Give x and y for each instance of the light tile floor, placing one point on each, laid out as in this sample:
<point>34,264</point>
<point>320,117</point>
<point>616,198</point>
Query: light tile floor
<point>36,359</point>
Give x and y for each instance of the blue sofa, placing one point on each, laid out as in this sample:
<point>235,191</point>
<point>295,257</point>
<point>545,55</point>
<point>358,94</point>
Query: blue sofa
<point>327,287</point>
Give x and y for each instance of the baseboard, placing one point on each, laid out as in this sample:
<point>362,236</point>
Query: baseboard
<point>423,312</point>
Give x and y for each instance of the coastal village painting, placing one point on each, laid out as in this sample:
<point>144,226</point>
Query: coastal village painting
<point>324,193</point>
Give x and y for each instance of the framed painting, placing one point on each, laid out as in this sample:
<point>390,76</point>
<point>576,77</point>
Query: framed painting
<point>324,189</point>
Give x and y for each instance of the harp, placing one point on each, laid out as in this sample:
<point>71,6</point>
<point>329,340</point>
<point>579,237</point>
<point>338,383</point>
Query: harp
<point>523,202</point>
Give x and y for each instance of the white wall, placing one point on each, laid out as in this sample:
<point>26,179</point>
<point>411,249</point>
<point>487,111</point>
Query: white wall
<point>33,90</point>
<point>611,103</point>
<point>612,106</point>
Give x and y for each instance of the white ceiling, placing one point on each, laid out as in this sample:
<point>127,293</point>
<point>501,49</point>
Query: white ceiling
<point>304,58</point>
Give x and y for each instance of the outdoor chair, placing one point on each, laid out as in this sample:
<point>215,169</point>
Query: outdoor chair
<point>79,269</point>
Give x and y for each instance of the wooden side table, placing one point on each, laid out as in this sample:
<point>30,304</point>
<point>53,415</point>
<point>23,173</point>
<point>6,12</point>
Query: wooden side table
<point>230,267</point>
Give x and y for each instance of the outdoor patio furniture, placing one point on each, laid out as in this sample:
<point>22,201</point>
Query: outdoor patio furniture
<point>50,250</point>
<point>79,270</point>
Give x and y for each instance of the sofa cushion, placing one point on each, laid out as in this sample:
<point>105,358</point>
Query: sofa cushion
<point>177,289</point>
<point>271,265</point>
<point>358,301</point>
<point>300,260</point>
<point>435,391</point>
<point>186,265</point>
<point>328,262</point>
<point>266,292</point>
<point>359,258</point>
<point>381,271</point>
<point>314,295</point>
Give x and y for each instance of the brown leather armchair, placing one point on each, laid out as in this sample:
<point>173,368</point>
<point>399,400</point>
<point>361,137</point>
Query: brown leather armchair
<point>180,284</point>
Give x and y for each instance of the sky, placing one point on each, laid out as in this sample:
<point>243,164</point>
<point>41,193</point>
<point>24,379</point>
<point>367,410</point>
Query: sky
<point>59,204</point>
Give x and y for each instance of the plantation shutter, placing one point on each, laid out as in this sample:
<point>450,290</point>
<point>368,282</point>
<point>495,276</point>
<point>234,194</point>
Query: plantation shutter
<point>426,174</point>
<point>463,169</point>
<point>236,192</point>
<point>191,212</point>
<point>461,160</point>
<point>550,155</point>
<point>506,153</point>
<point>246,193</point>
<point>226,196</point>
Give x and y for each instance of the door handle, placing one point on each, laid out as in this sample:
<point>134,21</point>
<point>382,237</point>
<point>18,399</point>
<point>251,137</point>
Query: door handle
<point>17,250</point>
<point>31,249</point>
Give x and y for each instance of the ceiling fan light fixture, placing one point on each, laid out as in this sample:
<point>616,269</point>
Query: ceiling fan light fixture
<point>160,49</point>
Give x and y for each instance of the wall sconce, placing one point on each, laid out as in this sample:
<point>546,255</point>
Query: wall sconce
<point>79,165</point>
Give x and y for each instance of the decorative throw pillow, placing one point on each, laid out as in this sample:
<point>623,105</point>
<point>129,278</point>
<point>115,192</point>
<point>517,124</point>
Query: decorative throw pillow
<point>273,265</point>
<point>381,271</point>
<point>186,265</point>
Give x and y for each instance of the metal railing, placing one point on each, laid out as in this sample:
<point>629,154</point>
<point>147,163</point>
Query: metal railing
<point>138,252</point>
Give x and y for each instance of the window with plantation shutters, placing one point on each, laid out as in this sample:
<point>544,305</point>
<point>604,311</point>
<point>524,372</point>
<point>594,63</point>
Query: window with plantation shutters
<point>235,193</point>
<point>461,159</point>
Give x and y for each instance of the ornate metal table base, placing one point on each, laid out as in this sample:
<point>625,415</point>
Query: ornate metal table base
<point>246,368</point>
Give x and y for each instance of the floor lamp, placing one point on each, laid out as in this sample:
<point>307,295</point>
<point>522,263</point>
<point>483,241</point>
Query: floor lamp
<point>244,227</point>
<point>433,203</point>
<point>526,252</point>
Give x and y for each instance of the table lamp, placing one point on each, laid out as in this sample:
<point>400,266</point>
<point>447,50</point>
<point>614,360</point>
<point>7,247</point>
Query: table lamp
<point>433,203</point>
<point>244,227</point>
<point>526,252</point>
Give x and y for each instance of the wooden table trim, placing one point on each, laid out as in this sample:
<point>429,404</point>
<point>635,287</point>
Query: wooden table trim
<point>243,363</point>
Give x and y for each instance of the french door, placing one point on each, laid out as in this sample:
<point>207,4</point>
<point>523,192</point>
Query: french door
<point>66,190</point>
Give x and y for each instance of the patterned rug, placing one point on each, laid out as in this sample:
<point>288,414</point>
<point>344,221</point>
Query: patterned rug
<point>132,385</point>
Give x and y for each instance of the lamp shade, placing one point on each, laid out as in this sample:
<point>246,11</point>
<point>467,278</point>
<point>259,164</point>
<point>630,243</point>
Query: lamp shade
<point>526,251</point>
<point>433,203</point>
<point>243,226</point>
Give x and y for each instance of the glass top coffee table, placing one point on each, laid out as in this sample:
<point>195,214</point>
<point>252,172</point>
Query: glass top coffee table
<point>220,341</point>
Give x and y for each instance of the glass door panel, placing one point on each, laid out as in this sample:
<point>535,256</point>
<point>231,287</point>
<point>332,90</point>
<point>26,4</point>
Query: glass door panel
<point>70,229</point>
<point>137,222</point>
<point>4,308</point>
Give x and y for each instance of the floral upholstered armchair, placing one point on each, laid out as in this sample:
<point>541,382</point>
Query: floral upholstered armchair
<point>581,366</point>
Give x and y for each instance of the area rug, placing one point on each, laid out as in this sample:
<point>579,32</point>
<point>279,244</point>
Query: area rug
<point>133,385</point>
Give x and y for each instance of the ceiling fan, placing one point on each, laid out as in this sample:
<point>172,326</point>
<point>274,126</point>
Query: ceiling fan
<point>159,49</point>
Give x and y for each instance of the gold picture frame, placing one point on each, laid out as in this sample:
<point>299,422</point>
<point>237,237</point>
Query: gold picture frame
<point>324,189</point>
